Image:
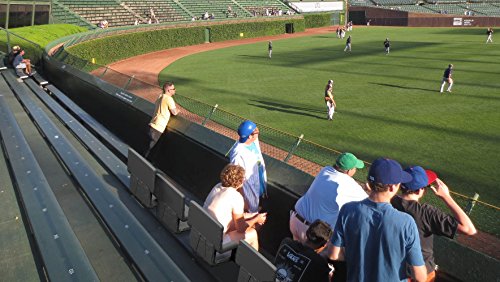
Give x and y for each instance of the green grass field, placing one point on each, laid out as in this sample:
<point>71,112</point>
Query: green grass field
<point>386,105</point>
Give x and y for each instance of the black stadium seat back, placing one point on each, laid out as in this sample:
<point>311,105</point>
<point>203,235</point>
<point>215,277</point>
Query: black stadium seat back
<point>206,236</point>
<point>142,177</point>
<point>172,208</point>
<point>253,265</point>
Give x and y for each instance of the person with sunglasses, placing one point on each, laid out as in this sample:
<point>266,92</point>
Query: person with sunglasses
<point>164,107</point>
<point>429,219</point>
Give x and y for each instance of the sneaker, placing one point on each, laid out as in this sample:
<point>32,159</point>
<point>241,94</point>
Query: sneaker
<point>32,73</point>
<point>448,90</point>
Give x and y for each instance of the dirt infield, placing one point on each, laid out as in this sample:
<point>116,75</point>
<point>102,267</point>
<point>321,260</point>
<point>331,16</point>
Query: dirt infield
<point>148,66</point>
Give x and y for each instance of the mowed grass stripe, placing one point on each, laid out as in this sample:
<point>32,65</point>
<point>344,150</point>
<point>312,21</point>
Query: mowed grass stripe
<point>387,105</point>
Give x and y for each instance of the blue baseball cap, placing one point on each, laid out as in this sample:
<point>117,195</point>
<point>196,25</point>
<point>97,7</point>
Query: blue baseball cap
<point>245,129</point>
<point>421,178</point>
<point>387,171</point>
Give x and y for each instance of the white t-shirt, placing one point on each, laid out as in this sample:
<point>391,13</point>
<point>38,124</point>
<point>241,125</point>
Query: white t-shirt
<point>222,202</point>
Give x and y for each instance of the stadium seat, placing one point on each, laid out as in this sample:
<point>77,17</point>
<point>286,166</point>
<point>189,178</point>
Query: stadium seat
<point>142,178</point>
<point>254,266</point>
<point>206,236</point>
<point>172,210</point>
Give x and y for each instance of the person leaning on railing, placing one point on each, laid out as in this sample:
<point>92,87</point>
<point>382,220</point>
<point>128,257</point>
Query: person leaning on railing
<point>431,220</point>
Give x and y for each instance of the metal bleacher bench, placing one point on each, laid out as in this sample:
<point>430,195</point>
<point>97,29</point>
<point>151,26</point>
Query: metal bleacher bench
<point>112,163</point>
<point>146,254</point>
<point>60,250</point>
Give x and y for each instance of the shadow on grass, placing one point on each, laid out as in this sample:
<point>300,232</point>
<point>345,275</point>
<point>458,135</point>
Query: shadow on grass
<point>403,87</point>
<point>285,108</point>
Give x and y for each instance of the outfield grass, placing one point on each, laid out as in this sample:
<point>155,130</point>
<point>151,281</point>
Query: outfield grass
<point>387,105</point>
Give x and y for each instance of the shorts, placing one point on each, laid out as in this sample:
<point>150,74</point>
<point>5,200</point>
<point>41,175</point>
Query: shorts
<point>21,66</point>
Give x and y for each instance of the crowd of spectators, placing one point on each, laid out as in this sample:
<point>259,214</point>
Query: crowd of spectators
<point>341,229</point>
<point>377,234</point>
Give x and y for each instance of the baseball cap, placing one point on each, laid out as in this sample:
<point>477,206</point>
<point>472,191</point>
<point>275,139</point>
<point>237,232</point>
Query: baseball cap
<point>347,161</point>
<point>330,81</point>
<point>431,175</point>
<point>420,179</point>
<point>245,129</point>
<point>387,171</point>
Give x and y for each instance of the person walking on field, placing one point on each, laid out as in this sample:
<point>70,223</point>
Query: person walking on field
<point>348,44</point>
<point>164,106</point>
<point>270,48</point>
<point>489,32</point>
<point>330,102</point>
<point>447,79</point>
<point>387,45</point>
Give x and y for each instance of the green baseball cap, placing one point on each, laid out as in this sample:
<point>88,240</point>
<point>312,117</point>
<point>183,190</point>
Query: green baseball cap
<point>347,161</point>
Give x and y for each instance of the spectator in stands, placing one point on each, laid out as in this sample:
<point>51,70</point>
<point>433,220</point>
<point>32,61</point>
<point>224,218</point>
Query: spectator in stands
<point>387,45</point>
<point>348,44</point>
<point>212,16</point>
<point>21,63</point>
<point>12,55</point>
<point>489,32</point>
<point>226,204</point>
<point>431,220</point>
<point>136,22</point>
<point>331,189</point>
<point>150,21</point>
<point>447,78</point>
<point>152,13</point>
<point>205,15</point>
<point>376,240</point>
<point>330,102</point>
<point>246,152</point>
<point>229,11</point>
<point>296,261</point>
<point>164,107</point>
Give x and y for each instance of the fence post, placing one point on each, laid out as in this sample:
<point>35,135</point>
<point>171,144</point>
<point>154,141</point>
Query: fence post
<point>294,147</point>
<point>471,204</point>
<point>128,82</point>
<point>104,72</point>
<point>8,40</point>
<point>209,115</point>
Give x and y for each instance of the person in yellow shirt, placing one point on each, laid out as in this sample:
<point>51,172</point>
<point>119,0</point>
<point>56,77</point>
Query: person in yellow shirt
<point>164,106</point>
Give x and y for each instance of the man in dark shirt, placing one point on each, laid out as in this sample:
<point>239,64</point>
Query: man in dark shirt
<point>387,45</point>
<point>447,78</point>
<point>21,63</point>
<point>301,262</point>
<point>489,32</point>
<point>270,48</point>
<point>429,219</point>
<point>348,44</point>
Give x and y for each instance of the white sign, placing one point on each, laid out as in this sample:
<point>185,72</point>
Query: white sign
<point>305,7</point>
<point>457,21</point>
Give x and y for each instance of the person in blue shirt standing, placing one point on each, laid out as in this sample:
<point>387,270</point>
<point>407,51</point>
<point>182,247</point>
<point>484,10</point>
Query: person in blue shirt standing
<point>377,241</point>
<point>246,153</point>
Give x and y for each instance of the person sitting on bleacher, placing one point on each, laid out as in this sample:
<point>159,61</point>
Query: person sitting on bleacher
<point>296,261</point>
<point>22,63</point>
<point>226,205</point>
<point>12,55</point>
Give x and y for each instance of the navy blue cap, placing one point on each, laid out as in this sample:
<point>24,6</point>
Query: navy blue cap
<point>387,171</point>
